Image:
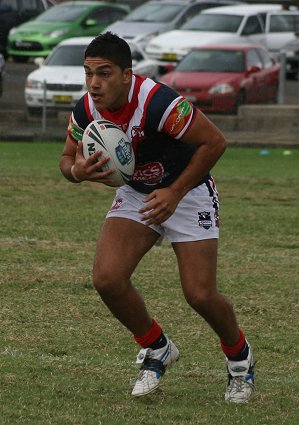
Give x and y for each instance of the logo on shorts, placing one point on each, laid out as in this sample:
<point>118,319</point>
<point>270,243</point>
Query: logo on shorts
<point>116,204</point>
<point>204,219</point>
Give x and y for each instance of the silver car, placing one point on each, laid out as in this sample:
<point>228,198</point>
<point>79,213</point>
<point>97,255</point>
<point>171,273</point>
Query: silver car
<point>156,17</point>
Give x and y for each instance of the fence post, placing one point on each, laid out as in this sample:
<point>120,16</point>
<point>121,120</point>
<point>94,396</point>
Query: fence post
<point>282,78</point>
<point>44,115</point>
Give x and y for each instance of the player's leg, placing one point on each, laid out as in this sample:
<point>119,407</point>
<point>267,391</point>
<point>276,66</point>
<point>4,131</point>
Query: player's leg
<point>197,264</point>
<point>122,244</point>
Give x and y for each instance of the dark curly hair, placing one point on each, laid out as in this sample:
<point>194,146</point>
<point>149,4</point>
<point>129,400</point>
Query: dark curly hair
<point>110,46</point>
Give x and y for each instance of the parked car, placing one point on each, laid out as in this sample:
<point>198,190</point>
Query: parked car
<point>38,37</point>
<point>220,78</point>
<point>291,51</point>
<point>2,68</point>
<point>14,13</point>
<point>64,75</point>
<point>155,17</point>
<point>256,23</point>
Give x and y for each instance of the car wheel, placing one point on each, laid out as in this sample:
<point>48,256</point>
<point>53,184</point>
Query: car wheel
<point>34,111</point>
<point>20,59</point>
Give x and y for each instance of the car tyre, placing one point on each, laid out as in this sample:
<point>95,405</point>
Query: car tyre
<point>20,59</point>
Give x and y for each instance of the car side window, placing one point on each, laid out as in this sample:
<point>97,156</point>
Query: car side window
<point>283,23</point>
<point>106,15</point>
<point>192,11</point>
<point>8,6</point>
<point>252,26</point>
<point>33,6</point>
<point>253,59</point>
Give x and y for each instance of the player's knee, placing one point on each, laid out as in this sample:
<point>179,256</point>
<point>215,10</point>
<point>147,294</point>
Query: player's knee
<point>200,300</point>
<point>108,283</point>
<point>104,283</point>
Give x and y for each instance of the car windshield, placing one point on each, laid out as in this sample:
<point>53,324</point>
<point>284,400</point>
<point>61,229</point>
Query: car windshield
<point>67,56</point>
<point>213,22</point>
<point>155,12</point>
<point>212,61</point>
<point>62,13</point>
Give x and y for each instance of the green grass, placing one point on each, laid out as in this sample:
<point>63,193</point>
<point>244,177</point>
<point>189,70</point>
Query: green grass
<point>64,359</point>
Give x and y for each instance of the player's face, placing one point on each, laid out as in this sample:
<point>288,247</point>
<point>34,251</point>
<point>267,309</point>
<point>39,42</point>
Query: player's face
<point>107,84</point>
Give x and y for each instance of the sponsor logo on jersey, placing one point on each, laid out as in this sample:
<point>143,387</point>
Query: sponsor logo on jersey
<point>124,152</point>
<point>151,173</point>
<point>204,219</point>
<point>117,204</point>
<point>178,118</point>
<point>137,133</point>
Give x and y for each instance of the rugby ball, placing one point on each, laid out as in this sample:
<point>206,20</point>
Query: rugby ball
<point>114,143</point>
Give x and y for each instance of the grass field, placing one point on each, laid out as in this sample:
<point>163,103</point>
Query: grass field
<point>64,359</point>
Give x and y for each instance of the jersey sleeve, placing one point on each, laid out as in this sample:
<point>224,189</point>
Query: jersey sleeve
<point>79,120</point>
<point>170,113</point>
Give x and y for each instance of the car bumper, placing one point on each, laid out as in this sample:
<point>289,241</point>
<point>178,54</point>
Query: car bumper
<point>213,103</point>
<point>51,99</point>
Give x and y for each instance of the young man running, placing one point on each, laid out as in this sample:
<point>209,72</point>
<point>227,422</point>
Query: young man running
<point>171,193</point>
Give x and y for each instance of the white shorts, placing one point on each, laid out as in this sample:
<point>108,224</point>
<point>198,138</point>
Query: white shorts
<point>195,218</point>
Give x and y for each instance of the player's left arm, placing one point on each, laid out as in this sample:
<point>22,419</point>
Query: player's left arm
<point>211,144</point>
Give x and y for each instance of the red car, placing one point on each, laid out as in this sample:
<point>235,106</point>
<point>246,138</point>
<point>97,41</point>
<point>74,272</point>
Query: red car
<point>220,78</point>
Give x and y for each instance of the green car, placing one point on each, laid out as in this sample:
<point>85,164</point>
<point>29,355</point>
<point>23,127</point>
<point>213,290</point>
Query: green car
<point>38,37</point>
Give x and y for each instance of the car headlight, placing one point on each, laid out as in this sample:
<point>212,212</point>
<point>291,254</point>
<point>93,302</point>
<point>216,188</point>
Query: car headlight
<point>34,84</point>
<point>12,31</point>
<point>57,33</point>
<point>221,89</point>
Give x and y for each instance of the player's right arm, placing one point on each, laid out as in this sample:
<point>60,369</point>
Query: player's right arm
<point>76,168</point>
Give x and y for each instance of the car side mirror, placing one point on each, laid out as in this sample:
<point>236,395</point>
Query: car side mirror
<point>253,69</point>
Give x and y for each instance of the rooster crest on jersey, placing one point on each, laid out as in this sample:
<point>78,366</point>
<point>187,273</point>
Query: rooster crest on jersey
<point>114,143</point>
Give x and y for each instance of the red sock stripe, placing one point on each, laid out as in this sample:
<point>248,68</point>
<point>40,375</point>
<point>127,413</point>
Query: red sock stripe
<point>151,336</point>
<point>234,350</point>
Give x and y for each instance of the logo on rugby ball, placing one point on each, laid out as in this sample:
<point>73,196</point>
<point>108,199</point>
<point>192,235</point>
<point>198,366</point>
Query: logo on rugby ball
<point>124,152</point>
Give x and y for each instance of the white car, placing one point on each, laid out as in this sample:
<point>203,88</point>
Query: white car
<point>60,81</point>
<point>265,24</point>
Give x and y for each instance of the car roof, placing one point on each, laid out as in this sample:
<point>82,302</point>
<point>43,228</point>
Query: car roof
<point>241,46</point>
<point>87,2</point>
<point>243,9</point>
<point>75,41</point>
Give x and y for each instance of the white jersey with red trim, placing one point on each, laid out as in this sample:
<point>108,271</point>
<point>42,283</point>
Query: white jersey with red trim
<point>155,118</point>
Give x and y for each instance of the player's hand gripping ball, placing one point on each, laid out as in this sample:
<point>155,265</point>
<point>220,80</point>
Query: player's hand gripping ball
<point>114,143</point>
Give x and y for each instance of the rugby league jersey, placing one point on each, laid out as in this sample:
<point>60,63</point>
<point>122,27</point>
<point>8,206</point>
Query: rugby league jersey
<point>155,118</point>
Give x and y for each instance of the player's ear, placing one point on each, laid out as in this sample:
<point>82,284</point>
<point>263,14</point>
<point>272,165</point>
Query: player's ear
<point>127,75</point>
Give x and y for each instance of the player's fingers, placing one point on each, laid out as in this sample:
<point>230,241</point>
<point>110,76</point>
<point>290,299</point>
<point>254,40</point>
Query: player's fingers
<point>80,148</point>
<point>95,158</point>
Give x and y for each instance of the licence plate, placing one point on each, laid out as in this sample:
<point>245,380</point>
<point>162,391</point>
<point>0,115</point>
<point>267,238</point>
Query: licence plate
<point>23,44</point>
<point>62,99</point>
<point>169,56</point>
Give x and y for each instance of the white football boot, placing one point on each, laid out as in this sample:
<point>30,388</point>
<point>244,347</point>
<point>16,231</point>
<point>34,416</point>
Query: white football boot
<point>153,364</point>
<point>240,379</point>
